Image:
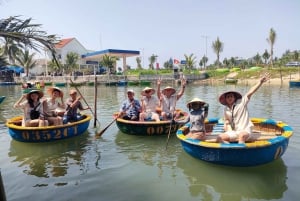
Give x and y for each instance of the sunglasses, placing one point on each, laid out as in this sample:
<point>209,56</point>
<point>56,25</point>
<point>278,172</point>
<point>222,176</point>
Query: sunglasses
<point>147,91</point>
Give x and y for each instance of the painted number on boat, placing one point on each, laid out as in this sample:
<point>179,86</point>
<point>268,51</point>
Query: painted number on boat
<point>160,130</point>
<point>45,135</point>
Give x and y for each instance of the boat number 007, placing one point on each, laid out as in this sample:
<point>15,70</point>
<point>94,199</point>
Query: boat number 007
<point>47,135</point>
<point>161,129</point>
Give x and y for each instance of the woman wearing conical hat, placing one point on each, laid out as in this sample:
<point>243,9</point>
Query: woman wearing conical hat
<point>149,105</point>
<point>237,124</point>
<point>168,99</point>
<point>53,107</point>
<point>198,112</point>
<point>33,109</point>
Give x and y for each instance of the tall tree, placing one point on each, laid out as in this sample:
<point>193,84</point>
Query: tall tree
<point>23,32</point>
<point>152,60</point>
<point>139,62</point>
<point>11,49</point>
<point>271,40</point>
<point>3,60</point>
<point>218,48</point>
<point>204,61</point>
<point>109,62</point>
<point>266,56</point>
<point>190,61</point>
<point>71,62</point>
<point>25,59</point>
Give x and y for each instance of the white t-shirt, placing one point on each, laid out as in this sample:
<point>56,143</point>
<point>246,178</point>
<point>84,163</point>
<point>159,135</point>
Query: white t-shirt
<point>241,119</point>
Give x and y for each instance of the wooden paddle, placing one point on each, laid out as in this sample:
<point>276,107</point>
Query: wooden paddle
<point>173,116</point>
<point>102,131</point>
<point>84,100</point>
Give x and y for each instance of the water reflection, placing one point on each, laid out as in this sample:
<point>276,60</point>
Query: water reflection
<point>150,150</point>
<point>234,183</point>
<point>47,160</point>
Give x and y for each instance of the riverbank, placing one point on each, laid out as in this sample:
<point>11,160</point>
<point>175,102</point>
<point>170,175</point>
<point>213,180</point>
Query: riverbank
<point>102,79</point>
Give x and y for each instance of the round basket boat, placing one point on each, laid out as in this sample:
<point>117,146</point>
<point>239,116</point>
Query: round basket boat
<point>269,142</point>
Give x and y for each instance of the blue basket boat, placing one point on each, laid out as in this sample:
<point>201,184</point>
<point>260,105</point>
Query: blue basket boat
<point>270,141</point>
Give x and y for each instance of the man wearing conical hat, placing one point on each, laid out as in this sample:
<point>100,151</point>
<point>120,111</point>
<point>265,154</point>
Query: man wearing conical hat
<point>198,112</point>
<point>168,99</point>
<point>149,105</point>
<point>237,123</point>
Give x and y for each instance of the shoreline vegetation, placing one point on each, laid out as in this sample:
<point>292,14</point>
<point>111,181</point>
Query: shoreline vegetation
<point>243,77</point>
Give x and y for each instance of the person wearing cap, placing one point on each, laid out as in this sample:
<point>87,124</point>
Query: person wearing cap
<point>130,108</point>
<point>168,99</point>
<point>198,112</point>
<point>237,123</point>
<point>149,105</point>
<point>53,108</point>
<point>72,105</point>
<point>33,109</point>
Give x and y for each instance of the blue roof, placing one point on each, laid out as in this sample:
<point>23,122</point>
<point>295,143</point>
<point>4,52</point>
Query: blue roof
<point>112,52</point>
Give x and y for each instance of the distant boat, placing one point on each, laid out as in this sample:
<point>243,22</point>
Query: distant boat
<point>294,84</point>
<point>145,83</point>
<point>60,84</point>
<point>230,80</point>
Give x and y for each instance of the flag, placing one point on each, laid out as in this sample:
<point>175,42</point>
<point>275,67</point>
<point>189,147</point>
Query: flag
<point>176,61</point>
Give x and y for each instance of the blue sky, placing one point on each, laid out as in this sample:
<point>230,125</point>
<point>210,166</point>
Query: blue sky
<point>167,28</point>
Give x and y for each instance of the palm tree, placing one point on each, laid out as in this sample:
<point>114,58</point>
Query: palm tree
<point>109,62</point>
<point>152,60</point>
<point>190,61</point>
<point>257,59</point>
<point>271,40</point>
<point>266,56</point>
<point>218,48</point>
<point>26,60</point>
<point>71,62</point>
<point>204,61</point>
<point>3,61</point>
<point>26,34</point>
<point>11,49</point>
<point>139,61</point>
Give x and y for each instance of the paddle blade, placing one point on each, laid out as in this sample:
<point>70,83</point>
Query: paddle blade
<point>102,131</point>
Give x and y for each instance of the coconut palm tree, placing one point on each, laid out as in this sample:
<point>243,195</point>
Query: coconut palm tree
<point>25,59</point>
<point>152,60</point>
<point>190,61</point>
<point>11,49</point>
<point>26,34</point>
<point>218,48</point>
<point>139,62</point>
<point>271,40</point>
<point>109,62</point>
<point>3,60</point>
<point>204,61</point>
<point>71,62</point>
<point>266,56</point>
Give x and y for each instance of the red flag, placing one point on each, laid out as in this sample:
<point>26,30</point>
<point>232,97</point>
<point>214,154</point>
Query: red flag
<point>176,61</point>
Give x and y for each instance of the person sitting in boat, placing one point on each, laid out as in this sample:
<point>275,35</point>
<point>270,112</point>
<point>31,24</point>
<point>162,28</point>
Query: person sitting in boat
<point>198,112</point>
<point>72,105</point>
<point>33,109</point>
<point>237,123</point>
<point>149,104</point>
<point>168,100</point>
<point>130,108</point>
<point>54,109</point>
